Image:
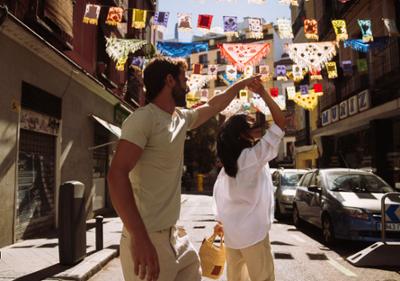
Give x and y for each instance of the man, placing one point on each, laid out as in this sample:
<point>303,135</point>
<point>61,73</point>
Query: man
<point>145,175</point>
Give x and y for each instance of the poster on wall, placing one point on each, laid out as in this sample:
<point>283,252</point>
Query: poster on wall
<point>343,109</point>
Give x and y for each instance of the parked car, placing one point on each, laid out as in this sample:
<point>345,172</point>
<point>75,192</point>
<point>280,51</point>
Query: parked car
<point>343,203</point>
<point>285,181</point>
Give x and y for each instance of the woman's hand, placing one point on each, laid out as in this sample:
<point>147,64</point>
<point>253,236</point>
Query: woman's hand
<point>219,229</point>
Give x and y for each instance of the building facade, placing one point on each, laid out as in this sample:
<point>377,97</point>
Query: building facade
<point>61,103</point>
<point>359,114</point>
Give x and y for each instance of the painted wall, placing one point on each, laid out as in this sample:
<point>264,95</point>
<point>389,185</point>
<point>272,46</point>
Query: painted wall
<point>74,159</point>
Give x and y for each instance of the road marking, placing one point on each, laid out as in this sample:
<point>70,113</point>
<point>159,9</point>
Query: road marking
<point>298,238</point>
<point>341,268</point>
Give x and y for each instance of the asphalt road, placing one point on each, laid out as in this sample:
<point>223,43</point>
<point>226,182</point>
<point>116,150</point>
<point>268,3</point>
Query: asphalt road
<point>299,255</point>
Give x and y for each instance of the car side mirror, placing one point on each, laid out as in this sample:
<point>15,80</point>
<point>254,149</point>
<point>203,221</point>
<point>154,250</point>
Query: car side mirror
<point>314,188</point>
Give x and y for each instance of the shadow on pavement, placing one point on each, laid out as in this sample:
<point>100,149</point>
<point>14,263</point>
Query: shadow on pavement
<point>44,273</point>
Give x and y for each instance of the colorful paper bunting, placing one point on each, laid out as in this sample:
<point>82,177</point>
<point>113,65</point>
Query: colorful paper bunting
<point>366,30</point>
<point>114,15</point>
<point>230,25</point>
<point>297,72</point>
<point>197,81</point>
<point>315,74</point>
<point>285,28</point>
<point>204,21</point>
<point>304,89</point>
<point>340,29</point>
<point>244,95</point>
<point>331,69</point>
<point>229,80</point>
<point>280,72</point>
<point>241,55</point>
<point>184,22</point>
<point>359,45</point>
<point>231,72</point>
<point>161,19</point>
<point>197,68</point>
<point>212,71</point>
<point>248,71</point>
<point>311,29</point>
<point>139,18</point>
<point>255,28</point>
<point>264,71</point>
<point>318,88</point>
<point>347,67</point>
<point>312,55</point>
<point>181,49</point>
<point>307,101</point>
<point>362,65</point>
<point>119,49</point>
<point>291,92</point>
<point>204,95</point>
<point>138,61</point>
<point>274,92</point>
<point>92,13</point>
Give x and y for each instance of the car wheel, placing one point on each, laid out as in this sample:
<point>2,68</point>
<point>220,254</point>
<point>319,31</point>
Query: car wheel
<point>328,235</point>
<point>296,217</point>
<point>278,214</point>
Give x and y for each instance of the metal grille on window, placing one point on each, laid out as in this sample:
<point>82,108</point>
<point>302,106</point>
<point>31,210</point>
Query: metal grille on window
<point>36,183</point>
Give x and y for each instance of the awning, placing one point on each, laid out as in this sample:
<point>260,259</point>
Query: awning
<point>387,110</point>
<point>115,130</point>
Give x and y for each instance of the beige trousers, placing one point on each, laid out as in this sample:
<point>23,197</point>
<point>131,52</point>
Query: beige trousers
<point>177,258</point>
<point>253,263</point>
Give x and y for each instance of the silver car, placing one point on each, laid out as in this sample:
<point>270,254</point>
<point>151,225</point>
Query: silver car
<point>285,182</point>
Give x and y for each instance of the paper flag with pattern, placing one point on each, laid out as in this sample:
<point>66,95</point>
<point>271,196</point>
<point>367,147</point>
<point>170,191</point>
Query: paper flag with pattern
<point>213,71</point>
<point>161,19</point>
<point>197,68</point>
<point>340,29</point>
<point>312,55</point>
<point>230,25</point>
<point>241,55</point>
<point>204,21</point>
<point>114,15</point>
<point>264,71</point>
<point>315,74</point>
<point>285,28</point>
<point>119,49</point>
<point>347,67</point>
<point>362,65</point>
<point>231,72</point>
<point>92,13</point>
<point>255,28</point>
<point>311,29</point>
<point>248,71</point>
<point>331,69</point>
<point>280,72</point>
<point>139,18</point>
<point>184,22</point>
<point>291,92</point>
<point>196,82</point>
<point>297,72</point>
<point>366,30</point>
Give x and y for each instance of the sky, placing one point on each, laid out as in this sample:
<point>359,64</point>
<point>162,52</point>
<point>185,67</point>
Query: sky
<point>270,11</point>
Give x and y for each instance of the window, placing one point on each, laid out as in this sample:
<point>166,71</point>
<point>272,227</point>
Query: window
<point>220,59</point>
<point>305,181</point>
<point>203,59</point>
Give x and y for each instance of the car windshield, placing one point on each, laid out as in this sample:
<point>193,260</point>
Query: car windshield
<point>354,182</point>
<point>291,179</point>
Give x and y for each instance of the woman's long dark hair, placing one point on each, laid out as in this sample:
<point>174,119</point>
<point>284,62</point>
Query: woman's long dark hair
<point>230,142</point>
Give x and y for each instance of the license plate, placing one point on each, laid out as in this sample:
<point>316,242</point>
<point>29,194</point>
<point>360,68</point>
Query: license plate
<point>390,226</point>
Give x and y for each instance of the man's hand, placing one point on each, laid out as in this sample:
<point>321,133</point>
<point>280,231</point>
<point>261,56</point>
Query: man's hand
<point>219,229</point>
<point>145,258</point>
<point>248,81</point>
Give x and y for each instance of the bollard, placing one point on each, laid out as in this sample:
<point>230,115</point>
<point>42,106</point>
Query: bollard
<point>99,233</point>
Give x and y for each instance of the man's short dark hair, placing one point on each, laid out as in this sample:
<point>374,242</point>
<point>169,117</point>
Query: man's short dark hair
<point>157,70</point>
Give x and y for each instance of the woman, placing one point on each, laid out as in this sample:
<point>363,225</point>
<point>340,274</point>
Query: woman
<point>243,191</point>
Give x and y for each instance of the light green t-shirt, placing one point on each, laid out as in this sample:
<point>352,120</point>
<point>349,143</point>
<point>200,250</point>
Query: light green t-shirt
<point>156,178</point>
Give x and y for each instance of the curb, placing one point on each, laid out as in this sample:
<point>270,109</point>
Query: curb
<point>88,267</point>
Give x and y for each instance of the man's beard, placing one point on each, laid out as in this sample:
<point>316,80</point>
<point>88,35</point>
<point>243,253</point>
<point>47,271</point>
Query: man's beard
<point>179,95</point>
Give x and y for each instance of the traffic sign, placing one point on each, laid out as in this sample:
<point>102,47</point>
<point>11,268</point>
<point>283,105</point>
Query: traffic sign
<point>392,213</point>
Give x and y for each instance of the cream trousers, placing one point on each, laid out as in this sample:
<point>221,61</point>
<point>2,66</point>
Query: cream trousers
<point>253,263</point>
<point>177,258</point>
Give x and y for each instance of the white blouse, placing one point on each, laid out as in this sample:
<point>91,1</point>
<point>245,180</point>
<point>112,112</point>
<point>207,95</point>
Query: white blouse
<point>245,204</point>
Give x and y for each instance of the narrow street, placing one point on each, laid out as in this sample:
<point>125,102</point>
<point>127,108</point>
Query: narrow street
<point>299,255</point>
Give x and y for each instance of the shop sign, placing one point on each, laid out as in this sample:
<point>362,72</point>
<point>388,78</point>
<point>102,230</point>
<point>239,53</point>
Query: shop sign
<point>334,113</point>
<point>326,117</point>
<point>363,100</point>
<point>343,109</point>
<point>353,105</point>
<point>40,123</point>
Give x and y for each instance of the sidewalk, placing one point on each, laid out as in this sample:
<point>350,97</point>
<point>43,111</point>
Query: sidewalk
<point>37,259</point>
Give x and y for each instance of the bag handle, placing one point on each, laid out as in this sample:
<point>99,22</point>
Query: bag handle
<point>211,239</point>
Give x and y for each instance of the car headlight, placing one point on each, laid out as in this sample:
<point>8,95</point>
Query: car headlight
<point>357,213</point>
